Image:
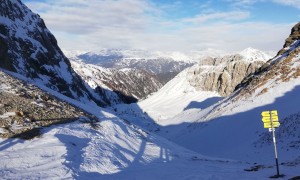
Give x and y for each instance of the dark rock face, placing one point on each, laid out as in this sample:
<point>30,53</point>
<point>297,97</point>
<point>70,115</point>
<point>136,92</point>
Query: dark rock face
<point>28,48</point>
<point>294,36</point>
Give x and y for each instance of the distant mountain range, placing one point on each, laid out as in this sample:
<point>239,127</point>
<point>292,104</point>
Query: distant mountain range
<point>161,67</point>
<point>164,67</point>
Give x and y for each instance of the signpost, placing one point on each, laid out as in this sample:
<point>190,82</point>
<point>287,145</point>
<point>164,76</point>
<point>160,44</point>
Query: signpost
<point>270,120</point>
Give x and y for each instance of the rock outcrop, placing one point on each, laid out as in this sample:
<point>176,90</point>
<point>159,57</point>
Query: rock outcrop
<point>24,109</point>
<point>282,68</point>
<point>295,35</point>
<point>222,74</point>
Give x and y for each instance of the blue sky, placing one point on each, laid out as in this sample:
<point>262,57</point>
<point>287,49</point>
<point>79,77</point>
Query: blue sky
<point>169,25</point>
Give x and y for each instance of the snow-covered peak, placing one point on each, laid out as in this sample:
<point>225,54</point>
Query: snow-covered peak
<point>252,54</point>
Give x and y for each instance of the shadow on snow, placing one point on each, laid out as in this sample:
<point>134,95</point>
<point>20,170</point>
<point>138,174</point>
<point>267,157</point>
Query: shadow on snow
<point>224,137</point>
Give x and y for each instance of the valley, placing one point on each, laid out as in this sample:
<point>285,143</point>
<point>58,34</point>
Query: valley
<point>142,114</point>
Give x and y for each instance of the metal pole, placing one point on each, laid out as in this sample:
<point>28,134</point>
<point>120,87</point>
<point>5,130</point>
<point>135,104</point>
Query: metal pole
<point>274,141</point>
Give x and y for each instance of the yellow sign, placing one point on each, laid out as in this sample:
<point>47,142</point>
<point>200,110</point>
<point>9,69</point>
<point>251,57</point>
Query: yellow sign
<point>269,125</point>
<point>266,118</point>
<point>265,114</point>
<point>269,113</point>
<point>274,113</point>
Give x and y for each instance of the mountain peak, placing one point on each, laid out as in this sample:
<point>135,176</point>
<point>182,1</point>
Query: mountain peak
<point>252,54</point>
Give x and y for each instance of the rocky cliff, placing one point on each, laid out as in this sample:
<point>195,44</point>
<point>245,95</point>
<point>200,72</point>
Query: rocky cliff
<point>223,74</point>
<point>295,35</point>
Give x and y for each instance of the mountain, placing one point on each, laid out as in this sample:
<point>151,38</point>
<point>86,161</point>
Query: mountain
<point>90,143</point>
<point>145,71</point>
<point>202,84</point>
<point>61,138</point>
<point>29,49</point>
<point>129,84</point>
<point>163,65</point>
<point>232,128</point>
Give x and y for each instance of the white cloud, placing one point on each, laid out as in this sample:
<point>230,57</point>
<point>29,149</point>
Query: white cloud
<point>239,35</point>
<point>293,3</point>
<point>81,17</point>
<point>249,3</point>
<point>219,16</point>
<point>95,24</point>
<point>243,3</point>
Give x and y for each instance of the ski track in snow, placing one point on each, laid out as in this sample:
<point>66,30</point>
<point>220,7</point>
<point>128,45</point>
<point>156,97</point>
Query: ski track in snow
<point>113,151</point>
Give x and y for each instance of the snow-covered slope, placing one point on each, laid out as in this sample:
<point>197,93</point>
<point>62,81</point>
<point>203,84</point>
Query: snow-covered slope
<point>98,146</point>
<point>201,85</point>
<point>112,151</point>
<point>233,127</point>
<point>109,148</point>
<point>176,96</point>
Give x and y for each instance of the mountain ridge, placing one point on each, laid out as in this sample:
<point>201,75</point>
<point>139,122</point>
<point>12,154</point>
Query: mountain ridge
<point>130,84</point>
<point>31,50</point>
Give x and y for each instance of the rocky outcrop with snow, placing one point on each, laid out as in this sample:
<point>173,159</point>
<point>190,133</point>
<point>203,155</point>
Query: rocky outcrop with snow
<point>295,35</point>
<point>29,49</point>
<point>128,84</point>
<point>282,68</point>
<point>225,73</point>
<point>25,109</point>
